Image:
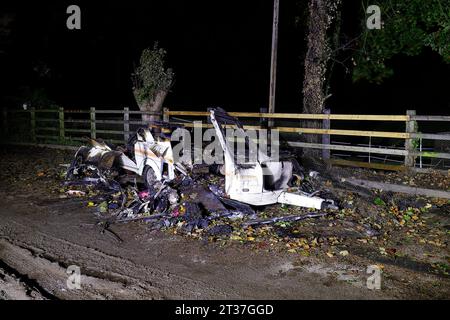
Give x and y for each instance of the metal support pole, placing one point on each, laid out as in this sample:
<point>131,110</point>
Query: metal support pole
<point>421,148</point>
<point>273,61</point>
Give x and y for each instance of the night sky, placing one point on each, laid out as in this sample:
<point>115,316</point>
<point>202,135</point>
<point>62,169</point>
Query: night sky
<point>219,50</point>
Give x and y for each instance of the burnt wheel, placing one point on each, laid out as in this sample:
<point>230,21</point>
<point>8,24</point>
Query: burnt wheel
<point>149,177</point>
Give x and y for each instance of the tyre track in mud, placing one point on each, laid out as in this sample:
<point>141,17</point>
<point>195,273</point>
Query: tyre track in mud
<point>14,285</point>
<point>50,234</point>
<point>50,278</point>
<point>21,229</point>
<point>97,268</point>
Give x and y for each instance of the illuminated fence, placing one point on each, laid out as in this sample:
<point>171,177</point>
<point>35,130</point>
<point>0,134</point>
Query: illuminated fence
<point>411,136</point>
<point>64,126</point>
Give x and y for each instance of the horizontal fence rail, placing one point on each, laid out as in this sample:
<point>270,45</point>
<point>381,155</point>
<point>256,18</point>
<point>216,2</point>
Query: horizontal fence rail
<point>358,133</point>
<point>297,116</point>
<point>410,133</point>
<point>65,124</point>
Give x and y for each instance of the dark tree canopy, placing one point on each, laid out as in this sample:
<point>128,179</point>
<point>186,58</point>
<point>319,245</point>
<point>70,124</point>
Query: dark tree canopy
<point>407,28</point>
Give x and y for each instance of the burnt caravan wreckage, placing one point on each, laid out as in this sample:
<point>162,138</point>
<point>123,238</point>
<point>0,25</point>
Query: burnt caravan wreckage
<point>143,155</point>
<point>263,181</point>
<point>258,182</point>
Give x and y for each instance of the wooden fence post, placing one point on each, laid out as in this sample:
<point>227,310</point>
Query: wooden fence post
<point>93,127</point>
<point>5,121</point>
<point>166,117</point>
<point>410,147</point>
<point>208,119</point>
<point>33,124</point>
<point>61,124</point>
<point>126,124</point>
<point>263,121</point>
<point>270,122</point>
<point>326,137</point>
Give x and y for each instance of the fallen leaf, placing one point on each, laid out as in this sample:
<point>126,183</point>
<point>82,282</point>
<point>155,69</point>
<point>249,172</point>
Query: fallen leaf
<point>379,202</point>
<point>344,253</point>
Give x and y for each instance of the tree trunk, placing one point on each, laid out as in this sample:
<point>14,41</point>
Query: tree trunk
<point>153,106</point>
<point>320,17</point>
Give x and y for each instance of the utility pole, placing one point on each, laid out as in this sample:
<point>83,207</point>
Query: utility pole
<point>273,62</point>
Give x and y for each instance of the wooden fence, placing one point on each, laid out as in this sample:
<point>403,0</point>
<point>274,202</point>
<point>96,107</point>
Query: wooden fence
<point>59,126</point>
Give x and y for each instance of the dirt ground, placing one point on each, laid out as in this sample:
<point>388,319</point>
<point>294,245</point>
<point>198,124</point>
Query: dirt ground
<point>42,233</point>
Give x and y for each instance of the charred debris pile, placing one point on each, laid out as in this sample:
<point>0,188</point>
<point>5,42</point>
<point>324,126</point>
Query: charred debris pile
<point>260,201</point>
<point>142,181</point>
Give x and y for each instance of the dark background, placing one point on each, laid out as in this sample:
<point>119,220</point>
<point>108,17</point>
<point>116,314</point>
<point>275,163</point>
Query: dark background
<point>219,50</point>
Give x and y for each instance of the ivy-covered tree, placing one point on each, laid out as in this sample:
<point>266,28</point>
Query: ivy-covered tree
<point>407,28</point>
<point>322,14</point>
<point>152,82</point>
